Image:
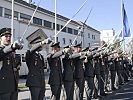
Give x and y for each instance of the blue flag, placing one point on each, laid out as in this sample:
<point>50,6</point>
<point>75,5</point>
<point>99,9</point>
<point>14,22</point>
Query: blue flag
<point>126,29</point>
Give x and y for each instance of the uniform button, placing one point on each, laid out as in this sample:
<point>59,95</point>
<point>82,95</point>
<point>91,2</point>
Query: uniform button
<point>3,78</point>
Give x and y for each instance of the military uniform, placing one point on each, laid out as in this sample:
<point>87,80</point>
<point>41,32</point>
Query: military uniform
<point>89,75</point>
<point>35,62</point>
<point>119,69</point>
<point>68,76</point>
<point>79,72</point>
<point>55,78</point>
<point>97,74</point>
<point>35,79</point>
<point>7,78</point>
<point>102,76</point>
<point>68,73</point>
<point>112,72</point>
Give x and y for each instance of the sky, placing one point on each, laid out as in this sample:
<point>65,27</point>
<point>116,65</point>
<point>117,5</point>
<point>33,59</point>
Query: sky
<point>105,14</point>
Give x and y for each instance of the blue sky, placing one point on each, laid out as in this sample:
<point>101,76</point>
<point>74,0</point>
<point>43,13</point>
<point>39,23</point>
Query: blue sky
<point>106,14</point>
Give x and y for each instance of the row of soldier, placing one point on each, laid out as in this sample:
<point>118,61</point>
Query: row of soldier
<point>70,67</point>
<point>80,65</point>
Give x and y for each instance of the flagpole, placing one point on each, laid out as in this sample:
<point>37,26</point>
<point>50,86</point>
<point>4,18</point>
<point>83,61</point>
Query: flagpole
<point>55,19</point>
<point>122,25</point>
<point>12,22</point>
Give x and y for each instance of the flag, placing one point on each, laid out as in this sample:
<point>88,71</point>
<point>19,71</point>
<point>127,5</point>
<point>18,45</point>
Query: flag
<point>125,28</point>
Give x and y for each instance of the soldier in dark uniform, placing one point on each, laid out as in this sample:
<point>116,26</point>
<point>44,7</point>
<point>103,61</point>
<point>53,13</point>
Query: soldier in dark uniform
<point>103,73</point>
<point>96,66</point>
<point>89,73</point>
<point>35,62</point>
<point>55,78</point>
<point>79,70</point>
<point>68,73</point>
<point>112,71</point>
<point>119,68</point>
<point>8,84</point>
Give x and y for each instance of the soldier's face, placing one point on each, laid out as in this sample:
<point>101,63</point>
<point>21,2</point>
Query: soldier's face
<point>55,49</point>
<point>5,39</point>
<point>77,49</point>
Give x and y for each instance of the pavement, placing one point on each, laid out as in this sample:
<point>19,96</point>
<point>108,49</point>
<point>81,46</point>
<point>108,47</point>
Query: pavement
<point>124,93</point>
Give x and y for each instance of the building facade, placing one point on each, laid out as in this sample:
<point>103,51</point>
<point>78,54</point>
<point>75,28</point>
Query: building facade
<point>45,20</point>
<point>107,36</point>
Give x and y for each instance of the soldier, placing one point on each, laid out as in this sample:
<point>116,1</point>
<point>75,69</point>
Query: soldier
<point>79,70</point>
<point>68,73</point>
<point>96,66</point>
<point>119,68</point>
<point>103,73</point>
<point>55,78</point>
<point>8,85</point>
<point>112,71</point>
<point>89,73</point>
<point>35,62</point>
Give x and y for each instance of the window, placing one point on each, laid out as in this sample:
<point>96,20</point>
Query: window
<point>64,41</point>
<point>16,14</point>
<point>64,29</point>
<point>37,21</point>
<point>1,10</point>
<point>89,44</point>
<point>7,13</point>
<point>92,36</point>
<point>75,42</point>
<point>75,32</point>
<point>47,24</point>
<point>57,39</point>
<point>58,27</point>
<point>70,41</point>
<point>88,35</point>
<point>70,30</point>
<point>24,16</point>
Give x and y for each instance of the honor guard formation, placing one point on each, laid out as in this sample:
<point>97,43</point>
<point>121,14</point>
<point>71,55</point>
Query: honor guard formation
<point>73,69</point>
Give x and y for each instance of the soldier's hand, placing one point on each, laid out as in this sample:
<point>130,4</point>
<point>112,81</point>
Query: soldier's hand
<point>46,41</point>
<point>15,69</point>
<point>66,50</point>
<point>17,45</point>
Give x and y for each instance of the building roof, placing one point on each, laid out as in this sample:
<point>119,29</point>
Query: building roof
<point>52,13</point>
<point>43,10</point>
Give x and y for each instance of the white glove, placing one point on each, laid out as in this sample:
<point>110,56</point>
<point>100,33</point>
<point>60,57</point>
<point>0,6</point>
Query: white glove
<point>46,41</point>
<point>17,45</point>
<point>66,50</point>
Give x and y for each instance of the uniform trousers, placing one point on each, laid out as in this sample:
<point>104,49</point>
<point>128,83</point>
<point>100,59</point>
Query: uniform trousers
<point>113,75</point>
<point>56,91</point>
<point>102,82</point>
<point>120,78</point>
<point>37,93</point>
<point>90,88</point>
<point>69,87</point>
<point>5,96</point>
<point>80,85</point>
<point>97,85</point>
